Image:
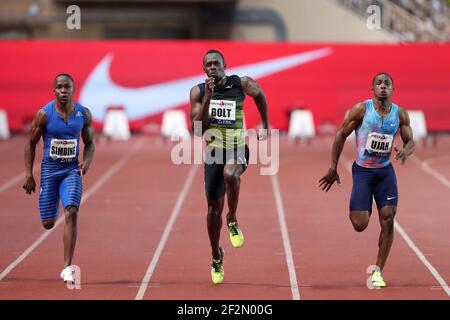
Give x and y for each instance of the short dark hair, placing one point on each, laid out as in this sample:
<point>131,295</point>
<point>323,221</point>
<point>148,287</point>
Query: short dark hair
<point>216,52</point>
<point>382,73</point>
<point>64,75</point>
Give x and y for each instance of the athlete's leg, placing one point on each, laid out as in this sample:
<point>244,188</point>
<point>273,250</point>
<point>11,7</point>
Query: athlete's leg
<point>215,193</point>
<point>386,197</point>
<point>386,215</point>
<point>360,220</point>
<point>232,175</point>
<point>236,164</point>
<point>70,234</point>
<point>70,191</point>
<point>214,223</point>
<point>49,198</point>
<point>361,197</point>
<point>48,224</point>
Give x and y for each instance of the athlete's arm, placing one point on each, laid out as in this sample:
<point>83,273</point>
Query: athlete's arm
<point>350,123</point>
<point>406,135</point>
<point>252,89</point>
<point>87,134</point>
<point>36,131</point>
<point>199,107</point>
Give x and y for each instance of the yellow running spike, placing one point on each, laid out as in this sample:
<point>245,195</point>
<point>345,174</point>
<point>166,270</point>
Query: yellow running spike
<point>377,279</point>
<point>217,272</point>
<point>236,235</point>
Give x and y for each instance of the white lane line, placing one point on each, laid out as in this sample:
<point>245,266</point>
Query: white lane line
<point>21,176</point>
<point>435,159</point>
<point>410,243</point>
<point>422,258</point>
<point>100,182</point>
<point>424,165</point>
<point>162,242</point>
<point>12,182</point>
<point>285,235</point>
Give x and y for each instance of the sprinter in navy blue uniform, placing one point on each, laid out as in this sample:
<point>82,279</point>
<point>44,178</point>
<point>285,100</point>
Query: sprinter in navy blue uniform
<point>60,123</point>
<point>375,121</point>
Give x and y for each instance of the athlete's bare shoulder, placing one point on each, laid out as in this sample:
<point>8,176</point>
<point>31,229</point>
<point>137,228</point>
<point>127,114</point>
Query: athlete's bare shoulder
<point>247,79</point>
<point>87,112</point>
<point>360,106</point>
<point>353,118</point>
<point>195,88</point>
<point>403,116</point>
<point>40,118</point>
<point>250,86</point>
<point>357,111</point>
<point>87,116</point>
<point>195,94</point>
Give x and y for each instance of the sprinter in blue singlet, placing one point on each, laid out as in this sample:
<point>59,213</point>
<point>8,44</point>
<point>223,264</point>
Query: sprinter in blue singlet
<point>60,124</point>
<point>376,122</point>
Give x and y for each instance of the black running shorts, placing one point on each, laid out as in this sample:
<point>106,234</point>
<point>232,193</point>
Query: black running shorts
<point>215,160</point>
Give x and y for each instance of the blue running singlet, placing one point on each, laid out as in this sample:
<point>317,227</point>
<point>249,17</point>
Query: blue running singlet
<point>60,178</point>
<point>375,137</point>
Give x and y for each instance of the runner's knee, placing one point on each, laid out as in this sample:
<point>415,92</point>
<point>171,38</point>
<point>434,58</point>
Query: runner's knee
<point>48,224</point>
<point>71,213</point>
<point>214,211</point>
<point>359,222</point>
<point>360,227</point>
<point>231,177</point>
<point>387,219</point>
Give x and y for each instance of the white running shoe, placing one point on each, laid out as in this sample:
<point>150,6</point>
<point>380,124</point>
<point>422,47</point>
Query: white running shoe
<point>67,275</point>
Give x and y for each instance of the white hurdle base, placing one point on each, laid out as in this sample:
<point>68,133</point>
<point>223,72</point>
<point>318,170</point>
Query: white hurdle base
<point>174,125</point>
<point>4,127</point>
<point>116,125</point>
<point>418,124</point>
<point>301,125</point>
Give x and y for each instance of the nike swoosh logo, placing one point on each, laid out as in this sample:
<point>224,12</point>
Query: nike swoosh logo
<point>390,198</point>
<point>100,92</point>
<point>393,124</point>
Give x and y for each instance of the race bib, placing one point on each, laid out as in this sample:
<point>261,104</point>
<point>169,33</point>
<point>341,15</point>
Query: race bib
<point>379,143</point>
<point>63,149</point>
<point>222,112</point>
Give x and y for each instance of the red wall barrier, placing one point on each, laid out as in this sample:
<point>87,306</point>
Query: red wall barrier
<point>148,77</point>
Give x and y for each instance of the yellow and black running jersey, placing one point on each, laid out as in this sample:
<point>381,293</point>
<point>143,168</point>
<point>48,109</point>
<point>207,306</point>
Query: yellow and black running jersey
<point>225,114</point>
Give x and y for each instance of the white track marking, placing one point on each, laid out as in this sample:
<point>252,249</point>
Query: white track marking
<point>424,165</point>
<point>435,159</point>
<point>285,236</point>
<point>410,243</point>
<point>422,258</point>
<point>100,182</point>
<point>12,182</point>
<point>162,242</point>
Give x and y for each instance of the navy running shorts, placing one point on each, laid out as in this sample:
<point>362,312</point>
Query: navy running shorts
<point>369,183</point>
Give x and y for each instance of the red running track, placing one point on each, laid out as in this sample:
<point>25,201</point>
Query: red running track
<point>139,197</point>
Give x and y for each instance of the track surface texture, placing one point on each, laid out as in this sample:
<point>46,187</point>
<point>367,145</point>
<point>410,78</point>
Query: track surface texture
<point>142,229</point>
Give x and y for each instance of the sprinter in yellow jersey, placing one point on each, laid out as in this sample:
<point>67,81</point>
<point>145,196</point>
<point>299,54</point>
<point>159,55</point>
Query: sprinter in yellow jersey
<point>217,105</point>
